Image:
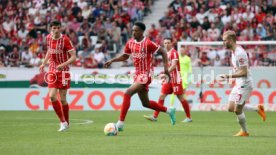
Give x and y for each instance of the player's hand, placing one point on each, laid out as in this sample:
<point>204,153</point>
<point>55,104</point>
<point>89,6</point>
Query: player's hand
<point>223,77</point>
<point>107,64</point>
<point>60,67</point>
<point>166,72</point>
<point>41,68</point>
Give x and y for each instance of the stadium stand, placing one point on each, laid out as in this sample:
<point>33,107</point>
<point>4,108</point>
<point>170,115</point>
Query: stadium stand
<point>99,29</point>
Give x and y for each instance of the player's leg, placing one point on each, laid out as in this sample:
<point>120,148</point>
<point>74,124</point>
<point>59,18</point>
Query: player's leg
<point>134,88</point>
<point>153,117</point>
<point>65,106</point>
<point>241,119</point>
<point>234,106</point>
<point>165,90</point>
<point>239,96</point>
<point>56,104</point>
<point>58,108</point>
<point>143,95</point>
<point>161,101</point>
<point>172,97</point>
<point>186,108</point>
<point>259,109</point>
<point>231,106</point>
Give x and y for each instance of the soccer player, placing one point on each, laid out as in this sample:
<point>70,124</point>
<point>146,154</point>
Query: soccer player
<point>185,71</point>
<point>60,53</point>
<point>175,85</point>
<point>243,87</point>
<point>141,49</point>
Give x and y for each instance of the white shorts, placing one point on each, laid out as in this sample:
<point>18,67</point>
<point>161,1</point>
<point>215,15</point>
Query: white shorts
<point>240,94</point>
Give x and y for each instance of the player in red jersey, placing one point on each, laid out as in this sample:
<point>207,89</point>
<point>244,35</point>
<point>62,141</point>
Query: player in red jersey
<point>141,49</point>
<point>60,53</point>
<point>175,85</point>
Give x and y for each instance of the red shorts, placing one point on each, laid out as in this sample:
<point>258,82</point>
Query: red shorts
<point>169,88</point>
<point>143,79</point>
<point>59,80</point>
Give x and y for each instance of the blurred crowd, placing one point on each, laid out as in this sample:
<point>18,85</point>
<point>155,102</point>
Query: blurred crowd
<point>97,28</point>
<point>206,20</point>
<point>100,28</point>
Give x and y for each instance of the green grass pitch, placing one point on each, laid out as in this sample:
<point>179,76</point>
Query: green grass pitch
<point>35,133</point>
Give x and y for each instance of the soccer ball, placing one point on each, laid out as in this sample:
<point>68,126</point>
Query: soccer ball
<point>110,129</point>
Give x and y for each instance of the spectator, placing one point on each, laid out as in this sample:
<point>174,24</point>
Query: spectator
<point>13,59</point>
<point>99,56</point>
<point>227,59</point>
<point>22,33</point>
<point>2,56</point>
<point>214,32</point>
<point>115,34</point>
<point>201,16</point>
<point>265,61</point>
<point>26,56</point>
<point>217,62</point>
<point>218,23</point>
<point>90,62</point>
<point>35,61</point>
<point>261,31</point>
<point>153,32</point>
<point>204,59</point>
<point>206,24</point>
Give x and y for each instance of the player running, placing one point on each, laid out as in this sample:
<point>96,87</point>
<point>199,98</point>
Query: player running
<point>175,85</point>
<point>60,53</point>
<point>243,87</point>
<point>141,49</point>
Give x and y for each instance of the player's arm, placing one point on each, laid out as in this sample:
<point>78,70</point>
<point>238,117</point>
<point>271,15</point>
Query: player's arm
<point>72,58</point>
<point>165,60</point>
<point>44,62</point>
<point>122,57</point>
<point>242,67</point>
<point>242,72</point>
<point>173,65</point>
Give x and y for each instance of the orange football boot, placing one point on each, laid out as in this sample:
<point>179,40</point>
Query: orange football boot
<point>241,134</point>
<point>261,112</point>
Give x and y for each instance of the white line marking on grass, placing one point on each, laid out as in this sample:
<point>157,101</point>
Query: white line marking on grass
<point>81,121</point>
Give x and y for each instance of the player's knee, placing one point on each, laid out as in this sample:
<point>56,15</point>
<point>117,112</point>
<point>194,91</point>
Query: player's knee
<point>145,104</point>
<point>162,97</point>
<point>63,101</point>
<point>230,109</point>
<point>53,98</point>
<point>238,112</point>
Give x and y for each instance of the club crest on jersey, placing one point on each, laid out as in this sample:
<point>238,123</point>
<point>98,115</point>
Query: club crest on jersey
<point>241,61</point>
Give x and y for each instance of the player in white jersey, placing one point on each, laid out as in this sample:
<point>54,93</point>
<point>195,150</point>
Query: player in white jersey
<point>243,87</point>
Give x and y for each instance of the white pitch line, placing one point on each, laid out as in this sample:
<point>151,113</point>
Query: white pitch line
<point>82,121</point>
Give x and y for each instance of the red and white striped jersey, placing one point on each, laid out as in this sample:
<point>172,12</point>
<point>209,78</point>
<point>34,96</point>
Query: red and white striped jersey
<point>142,54</point>
<point>175,74</point>
<point>58,50</point>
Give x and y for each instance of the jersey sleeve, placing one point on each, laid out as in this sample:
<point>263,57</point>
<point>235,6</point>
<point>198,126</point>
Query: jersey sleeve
<point>127,49</point>
<point>242,59</point>
<point>68,46</point>
<point>152,46</point>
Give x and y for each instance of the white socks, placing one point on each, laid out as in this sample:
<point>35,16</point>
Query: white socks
<point>168,110</point>
<point>120,123</point>
<point>242,121</point>
<point>249,108</point>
